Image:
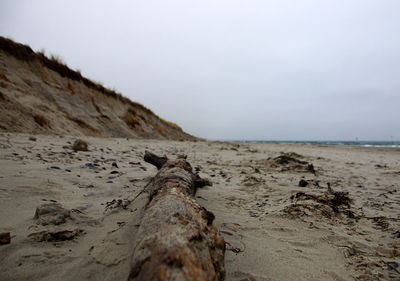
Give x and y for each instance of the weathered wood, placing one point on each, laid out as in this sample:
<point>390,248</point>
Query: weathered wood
<point>176,239</point>
<point>154,159</point>
<point>160,161</point>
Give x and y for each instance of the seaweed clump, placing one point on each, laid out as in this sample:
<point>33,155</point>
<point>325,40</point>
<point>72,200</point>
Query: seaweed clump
<point>290,162</point>
<point>330,203</point>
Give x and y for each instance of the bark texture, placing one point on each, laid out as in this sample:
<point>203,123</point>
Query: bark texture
<point>176,239</point>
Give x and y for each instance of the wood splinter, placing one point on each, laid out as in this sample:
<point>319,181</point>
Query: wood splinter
<point>176,239</point>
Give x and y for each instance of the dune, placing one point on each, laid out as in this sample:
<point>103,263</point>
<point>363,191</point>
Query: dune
<point>50,98</point>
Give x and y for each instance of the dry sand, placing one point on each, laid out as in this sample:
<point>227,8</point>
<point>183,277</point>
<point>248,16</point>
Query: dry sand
<point>274,229</point>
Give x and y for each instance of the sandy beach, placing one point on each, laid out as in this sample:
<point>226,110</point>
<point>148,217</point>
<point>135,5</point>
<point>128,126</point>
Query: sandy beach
<point>287,212</point>
<point>109,164</point>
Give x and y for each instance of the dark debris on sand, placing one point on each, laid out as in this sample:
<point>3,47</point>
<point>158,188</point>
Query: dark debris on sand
<point>55,236</point>
<point>291,162</point>
<point>328,203</point>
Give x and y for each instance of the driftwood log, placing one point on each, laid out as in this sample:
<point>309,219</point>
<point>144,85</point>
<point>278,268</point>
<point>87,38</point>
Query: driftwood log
<point>176,239</point>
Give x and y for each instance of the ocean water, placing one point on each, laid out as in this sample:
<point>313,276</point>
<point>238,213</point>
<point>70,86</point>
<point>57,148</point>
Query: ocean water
<point>393,144</point>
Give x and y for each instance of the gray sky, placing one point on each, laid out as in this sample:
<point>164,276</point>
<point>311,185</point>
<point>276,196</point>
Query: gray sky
<point>284,69</point>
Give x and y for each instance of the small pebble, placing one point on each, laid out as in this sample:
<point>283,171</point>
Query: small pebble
<point>303,183</point>
<point>5,238</point>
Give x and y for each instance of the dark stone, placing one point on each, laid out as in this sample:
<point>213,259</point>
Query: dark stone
<point>114,172</point>
<point>91,165</point>
<point>80,145</point>
<point>114,164</point>
<point>55,167</point>
<point>5,238</point>
<point>303,183</point>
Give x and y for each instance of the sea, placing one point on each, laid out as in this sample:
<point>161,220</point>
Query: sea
<point>389,144</point>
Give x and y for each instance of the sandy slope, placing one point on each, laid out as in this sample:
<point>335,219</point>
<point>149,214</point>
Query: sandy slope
<point>49,98</point>
<point>274,229</point>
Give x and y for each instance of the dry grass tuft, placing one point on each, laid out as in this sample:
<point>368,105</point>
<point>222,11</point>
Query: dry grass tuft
<point>57,59</point>
<point>131,119</point>
<point>83,124</point>
<point>160,129</point>
<point>80,145</point>
<point>41,120</point>
<point>3,75</point>
<point>171,124</point>
<point>70,88</point>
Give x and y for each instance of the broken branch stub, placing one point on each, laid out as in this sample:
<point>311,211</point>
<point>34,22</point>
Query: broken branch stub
<point>176,239</point>
<point>154,159</point>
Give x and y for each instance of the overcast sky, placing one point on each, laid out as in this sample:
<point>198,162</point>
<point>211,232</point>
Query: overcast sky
<point>226,69</point>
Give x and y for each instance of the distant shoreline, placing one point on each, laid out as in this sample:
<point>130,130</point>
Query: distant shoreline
<point>385,144</point>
